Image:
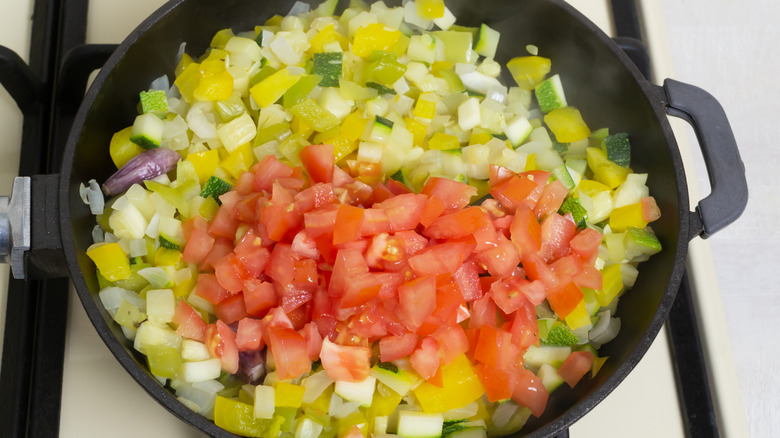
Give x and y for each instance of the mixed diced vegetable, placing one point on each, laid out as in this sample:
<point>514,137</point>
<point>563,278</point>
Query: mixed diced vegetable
<point>349,226</point>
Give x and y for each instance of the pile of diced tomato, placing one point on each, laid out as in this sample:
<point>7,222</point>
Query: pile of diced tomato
<point>329,268</point>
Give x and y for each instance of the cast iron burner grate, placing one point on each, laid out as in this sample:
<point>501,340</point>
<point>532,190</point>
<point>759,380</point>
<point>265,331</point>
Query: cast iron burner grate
<point>36,311</point>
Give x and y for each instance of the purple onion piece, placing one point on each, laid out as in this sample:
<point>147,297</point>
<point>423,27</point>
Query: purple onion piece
<point>251,366</point>
<point>147,165</point>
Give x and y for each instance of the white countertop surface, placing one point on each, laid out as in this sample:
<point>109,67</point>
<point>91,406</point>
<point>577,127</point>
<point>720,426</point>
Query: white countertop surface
<point>729,48</point>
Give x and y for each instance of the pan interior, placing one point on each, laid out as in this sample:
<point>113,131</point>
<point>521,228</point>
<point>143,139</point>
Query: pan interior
<point>595,77</point>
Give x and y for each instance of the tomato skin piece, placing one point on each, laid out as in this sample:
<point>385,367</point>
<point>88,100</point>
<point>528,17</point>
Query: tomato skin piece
<point>425,359</point>
<point>345,363</point>
<point>417,299</point>
<point>650,210</point>
<point>189,323</point>
<point>404,211</point>
<point>289,350</point>
<point>313,340</point>
<point>208,288</point>
<point>249,335</point>
<point>395,347</point>
<point>318,160</point>
<point>259,297</point>
<point>467,279</point>
<point>199,244</point>
<point>221,343</point>
<point>231,309</point>
<point>530,392</point>
<point>452,342</point>
<point>348,221</point>
<point>453,195</point>
<point>575,366</point>
<point>498,384</point>
<point>458,224</point>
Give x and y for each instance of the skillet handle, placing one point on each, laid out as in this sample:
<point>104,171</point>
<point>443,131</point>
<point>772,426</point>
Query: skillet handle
<point>725,169</point>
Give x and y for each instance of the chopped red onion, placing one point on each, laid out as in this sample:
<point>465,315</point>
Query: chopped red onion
<point>251,367</point>
<point>147,165</point>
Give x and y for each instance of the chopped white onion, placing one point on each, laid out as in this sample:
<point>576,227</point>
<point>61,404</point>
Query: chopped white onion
<point>315,385</point>
<point>138,247</point>
<point>97,234</point>
<point>93,197</point>
<point>161,83</point>
<point>299,8</point>
<point>605,329</point>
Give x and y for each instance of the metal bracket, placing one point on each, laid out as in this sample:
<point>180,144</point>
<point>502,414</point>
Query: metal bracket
<point>15,226</point>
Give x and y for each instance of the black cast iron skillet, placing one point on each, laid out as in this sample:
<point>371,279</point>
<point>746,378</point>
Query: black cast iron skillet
<point>599,80</point>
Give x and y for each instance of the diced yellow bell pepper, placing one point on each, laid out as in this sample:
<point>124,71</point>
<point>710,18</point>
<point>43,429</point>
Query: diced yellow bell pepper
<point>612,285</point>
<point>479,138</point>
<point>314,115</point>
<point>276,20</point>
<point>530,163</point>
<point>356,418</point>
<point>443,141</point>
<point>343,146</point>
<point>353,126</point>
<point>111,261</point>
<point>567,125</point>
<point>167,257</point>
<point>325,36</point>
<point>401,46</point>
<point>461,386</point>
<point>288,395</point>
<point>627,216</point>
<point>300,127</point>
<point>418,129</point>
<point>598,362</point>
<point>188,81</point>
<point>291,148</point>
<point>430,9</point>
<point>183,289</point>
<point>122,149</point>
<point>238,418</point>
<point>214,87</point>
<point>591,187</point>
<point>183,63</point>
<point>221,38</point>
<point>375,36</point>
<point>270,89</point>
<point>578,317</point>
<point>605,171</point>
<point>528,71</point>
<point>164,361</point>
<point>426,106</point>
<point>205,163</point>
<point>208,209</point>
<point>384,402</point>
<point>238,161</point>
<point>213,63</point>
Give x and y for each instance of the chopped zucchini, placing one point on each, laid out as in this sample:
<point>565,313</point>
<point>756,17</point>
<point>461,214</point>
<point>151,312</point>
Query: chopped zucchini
<point>215,187</point>
<point>381,89</point>
<point>578,212</point>
<point>147,131</point>
<point>329,66</point>
<point>550,94</point>
<point>412,424</point>
<point>155,102</point>
<point>618,149</point>
<point>487,41</point>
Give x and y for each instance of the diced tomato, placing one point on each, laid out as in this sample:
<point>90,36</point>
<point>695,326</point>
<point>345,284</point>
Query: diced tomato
<point>501,260</point>
<point>224,224</point>
<point>586,245</point>
<point>498,384</point>
<point>375,221</point>
<point>396,188</point>
<point>537,269</point>
<point>492,346</point>
<point>227,274</point>
<point>417,299</point>
<point>380,193</point>
<point>425,359</point>
<point>221,343</point>
<point>281,264</point>
<point>304,246</point>
<point>209,288</point>
<point>483,312</point>
<point>498,174</point>
<point>551,198</point>
<point>246,208</point>
<point>525,328</point>
<point>458,224</point>
<point>349,264</point>
<point>526,231</point>
<point>245,183</point>
<point>566,268</point>
<point>189,323</point>
<point>530,392</point>
<point>513,191</point>
<point>315,196</point>
<point>353,432</point>
<point>413,243</point>
<point>301,314</point>
<point>222,247</point>
<point>231,309</point>
<point>385,252</point>
<point>313,340</point>
<point>345,363</point>
<point>268,170</point>
<point>198,246</point>
<point>564,299</point>
<point>575,366</point>
<point>361,289</point>
<point>259,297</point>
<point>277,317</point>
<point>454,195</point>
<point>541,178</point>
<point>590,277</point>
<point>292,296</point>
<point>249,335</point>
<point>467,279</point>
<point>439,259</point>
<point>404,211</point>
<point>557,232</point>
<point>650,210</point>
<point>321,221</point>
<point>433,209</point>
<point>289,350</point>
<point>279,215</point>
<point>396,347</point>
<point>348,221</point>
<point>318,160</point>
<point>452,342</point>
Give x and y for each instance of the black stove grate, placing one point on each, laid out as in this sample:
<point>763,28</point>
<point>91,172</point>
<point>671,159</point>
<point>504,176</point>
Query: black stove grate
<point>36,315</point>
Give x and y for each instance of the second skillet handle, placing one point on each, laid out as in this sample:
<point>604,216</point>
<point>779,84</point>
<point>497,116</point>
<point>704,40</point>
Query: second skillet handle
<point>725,169</point>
